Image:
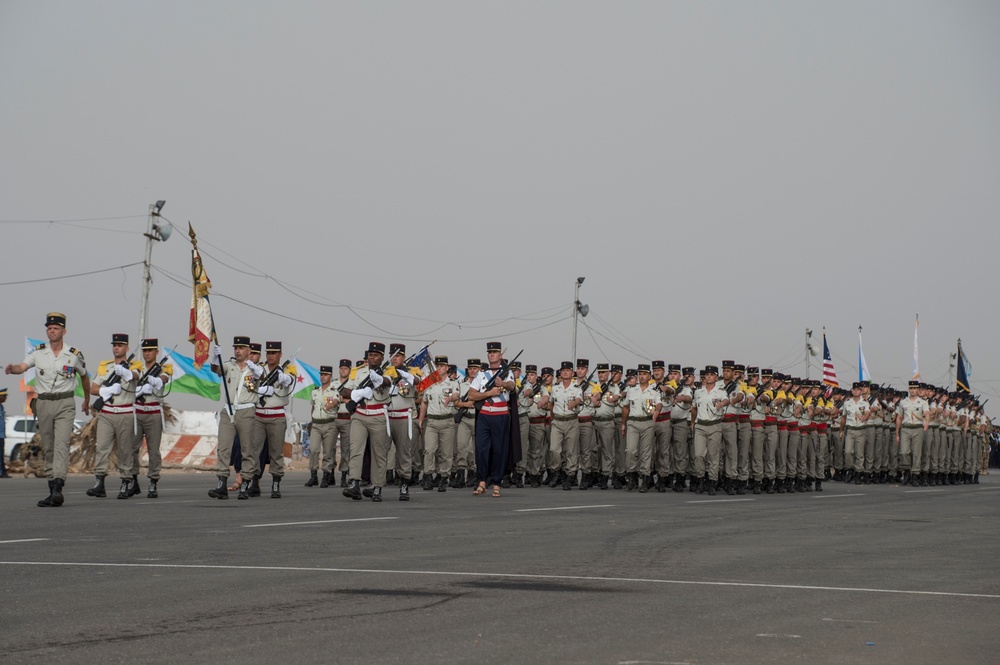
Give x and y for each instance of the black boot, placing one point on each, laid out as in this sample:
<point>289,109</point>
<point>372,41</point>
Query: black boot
<point>679,483</point>
<point>442,483</point>
<point>780,482</point>
<point>377,494</point>
<point>152,493</point>
<point>427,483</point>
<point>567,483</point>
<point>770,485</point>
<point>819,485</point>
<point>643,484</point>
<point>616,481</point>
<point>327,479</point>
<point>757,487</point>
<point>47,501</point>
<point>505,481</point>
<point>353,490</point>
<point>975,479</point>
<point>254,489</point>
<point>98,488</point>
<point>136,490</point>
<point>633,481</point>
<point>729,485</point>
<point>519,480</point>
<point>404,492</point>
<point>602,482</point>
<point>740,484</point>
<point>245,486</point>
<point>470,478</point>
<point>313,480</point>
<point>126,489</point>
<point>661,484</point>
<point>343,479</point>
<point>275,486</point>
<point>220,491</point>
<point>711,487</point>
<point>585,481</point>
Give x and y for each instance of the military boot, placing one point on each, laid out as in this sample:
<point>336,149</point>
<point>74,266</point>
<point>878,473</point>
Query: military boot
<point>254,488</point>
<point>711,487</point>
<point>404,492</point>
<point>643,484</point>
<point>729,485</point>
<point>275,486</point>
<point>313,479</point>
<point>377,494</point>
<point>353,490</point>
<point>152,493</point>
<point>220,491</point>
<point>740,491</point>
<point>136,490</point>
<point>616,481</point>
<point>519,480</point>
<point>343,479</point>
<point>47,501</point>
<point>819,485</point>
<point>126,489</point>
<point>442,483</point>
<point>327,479</point>
<point>427,483</point>
<point>98,488</point>
<point>57,495</point>
<point>245,489</point>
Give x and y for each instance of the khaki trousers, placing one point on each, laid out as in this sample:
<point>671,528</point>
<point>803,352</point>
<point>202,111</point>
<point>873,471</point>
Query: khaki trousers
<point>757,439</point>
<point>639,438</point>
<point>439,445</point>
<point>663,452</point>
<point>271,431</point>
<point>465,443</point>
<point>588,446</point>
<point>538,447</point>
<point>323,442</point>
<point>730,447</point>
<point>707,444</point>
<point>371,430</point>
<point>150,428</point>
<point>55,427</point>
<point>405,444</point>
<point>112,429</point>
<point>604,432</point>
<point>243,424</point>
<point>770,450</point>
<point>910,447</point>
<point>680,432</point>
<point>743,442</point>
<point>343,426</point>
<point>564,446</point>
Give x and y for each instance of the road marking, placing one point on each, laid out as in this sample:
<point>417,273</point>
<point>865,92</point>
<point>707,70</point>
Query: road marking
<point>850,620</point>
<point>358,519</point>
<point>22,540</point>
<point>515,576</point>
<point>836,496</point>
<point>777,635</point>
<point>919,491</point>
<point>719,500</point>
<point>154,502</point>
<point>536,510</point>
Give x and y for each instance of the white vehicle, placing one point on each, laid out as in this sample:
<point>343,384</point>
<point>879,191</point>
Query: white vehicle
<point>20,430</point>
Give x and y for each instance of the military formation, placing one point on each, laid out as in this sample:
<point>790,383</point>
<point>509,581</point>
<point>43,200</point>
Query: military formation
<point>656,427</point>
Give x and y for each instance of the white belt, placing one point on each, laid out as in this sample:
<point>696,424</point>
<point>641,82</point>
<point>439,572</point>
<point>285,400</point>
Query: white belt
<point>148,407</point>
<point>241,407</point>
<point>108,408</point>
<point>495,410</point>
<point>370,410</point>
<point>271,411</point>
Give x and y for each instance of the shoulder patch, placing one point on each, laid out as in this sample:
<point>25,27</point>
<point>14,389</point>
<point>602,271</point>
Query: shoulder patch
<point>41,346</point>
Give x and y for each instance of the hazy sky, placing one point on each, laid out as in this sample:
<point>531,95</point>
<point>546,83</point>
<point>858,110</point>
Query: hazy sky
<point>724,175</point>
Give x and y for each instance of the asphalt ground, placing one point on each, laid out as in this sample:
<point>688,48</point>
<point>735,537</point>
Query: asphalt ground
<point>855,574</point>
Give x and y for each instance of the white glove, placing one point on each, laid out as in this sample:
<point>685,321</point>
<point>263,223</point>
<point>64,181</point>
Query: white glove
<point>255,369</point>
<point>405,376</point>
<point>376,378</point>
<point>144,390</point>
<point>266,391</point>
<point>363,393</point>
<point>124,372</point>
<point>154,381</point>
<point>107,392</point>
<point>215,354</point>
<point>285,379</point>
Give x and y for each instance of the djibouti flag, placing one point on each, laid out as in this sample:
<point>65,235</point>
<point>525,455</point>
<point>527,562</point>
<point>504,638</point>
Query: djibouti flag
<point>306,379</point>
<point>187,379</point>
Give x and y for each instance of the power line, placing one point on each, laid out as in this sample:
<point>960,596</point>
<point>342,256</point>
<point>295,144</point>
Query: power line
<point>79,274</point>
<point>68,221</point>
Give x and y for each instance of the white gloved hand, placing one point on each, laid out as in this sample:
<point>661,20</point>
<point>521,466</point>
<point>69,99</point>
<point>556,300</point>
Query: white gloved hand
<point>405,376</point>
<point>376,378</point>
<point>255,369</point>
<point>360,394</point>
<point>154,381</point>
<point>124,372</point>
<point>107,392</point>
<point>266,391</point>
<point>144,390</point>
<point>215,354</point>
<point>285,379</point>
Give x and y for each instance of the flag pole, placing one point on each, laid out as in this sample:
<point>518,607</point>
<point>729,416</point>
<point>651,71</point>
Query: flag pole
<point>215,337</point>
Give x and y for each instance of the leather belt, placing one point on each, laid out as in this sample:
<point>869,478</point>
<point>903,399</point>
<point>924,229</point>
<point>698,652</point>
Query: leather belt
<point>564,418</point>
<point>323,421</point>
<point>45,397</point>
<point>709,422</point>
<point>640,419</point>
<point>537,421</point>
<point>442,416</point>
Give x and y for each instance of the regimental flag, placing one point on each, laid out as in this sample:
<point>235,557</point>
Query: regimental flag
<point>422,359</point>
<point>190,379</point>
<point>863,373</point>
<point>431,378</point>
<point>916,354</point>
<point>963,371</point>
<point>201,330</point>
<point>306,380</point>
<point>28,378</point>
<point>829,373</point>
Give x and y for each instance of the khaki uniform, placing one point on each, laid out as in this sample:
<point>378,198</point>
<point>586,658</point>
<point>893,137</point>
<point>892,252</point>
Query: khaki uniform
<point>605,419</point>
<point>370,424</point>
<point>854,434</point>
<point>640,429</point>
<point>241,392</point>
<point>912,411</point>
<point>55,383</point>
<point>440,429</point>
<point>270,423</point>
<point>708,431</point>
<point>149,427</point>
<point>588,437</point>
<point>564,441</point>
<point>323,430</point>
<point>680,432</point>
<point>538,434</point>
<point>403,430</point>
<point>116,422</point>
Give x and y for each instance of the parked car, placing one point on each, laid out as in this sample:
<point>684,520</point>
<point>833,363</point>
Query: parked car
<point>20,430</point>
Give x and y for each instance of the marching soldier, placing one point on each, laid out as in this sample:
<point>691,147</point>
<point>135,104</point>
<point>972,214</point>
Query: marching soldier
<point>680,428</point>
<point>401,414</point>
<point>325,401</point>
<point>564,445</point>
<point>369,423</point>
<point>240,394</point>
<point>730,424</point>
<point>343,425</point>
<point>538,411</point>
<point>493,422</point>
<point>854,415</point>
<point>465,443</point>
<point>743,433</point>
<point>757,408</point>
<point>116,420</point>
<point>437,422</point>
<point>585,420</point>
<point>274,389</point>
<point>641,406</point>
<point>56,369</point>
<point>662,451</point>
<point>149,416</point>
<point>913,419</point>
<point>710,402</point>
<point>604,423</point>
<point>523,422</point>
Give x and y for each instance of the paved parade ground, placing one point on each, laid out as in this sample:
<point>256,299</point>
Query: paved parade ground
<point>855,574</point>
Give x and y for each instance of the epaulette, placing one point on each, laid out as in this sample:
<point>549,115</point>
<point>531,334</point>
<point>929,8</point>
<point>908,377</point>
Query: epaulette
<point>42,346</point>
<point>74,351</point>
<point>291,371</point>
<point>168,369</point>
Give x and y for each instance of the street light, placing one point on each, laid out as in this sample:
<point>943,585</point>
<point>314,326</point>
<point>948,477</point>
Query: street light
<point>159,231</point>
<point>580,309</point>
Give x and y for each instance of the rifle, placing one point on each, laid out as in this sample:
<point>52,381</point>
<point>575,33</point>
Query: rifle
<point>155,370</point>
<point>113,380</point>
<point>272,376</point>
<point>586,382</point>
<point>352,406</point>
<point>504,368</point>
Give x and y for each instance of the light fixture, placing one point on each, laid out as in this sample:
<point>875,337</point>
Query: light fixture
<point>159,206</point>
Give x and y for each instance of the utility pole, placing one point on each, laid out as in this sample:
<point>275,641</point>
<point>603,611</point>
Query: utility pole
<point>577,309</point>
<point>155,230</point>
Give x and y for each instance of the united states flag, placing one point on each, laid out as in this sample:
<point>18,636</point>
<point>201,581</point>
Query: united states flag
<point>829,374</point>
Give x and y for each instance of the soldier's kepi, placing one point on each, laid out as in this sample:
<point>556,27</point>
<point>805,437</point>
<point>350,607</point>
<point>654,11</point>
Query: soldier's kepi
<point>57,368</point>
<point>116,386</point>
<point>150,391</point>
